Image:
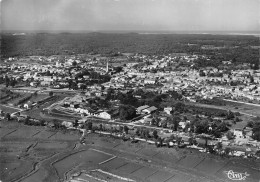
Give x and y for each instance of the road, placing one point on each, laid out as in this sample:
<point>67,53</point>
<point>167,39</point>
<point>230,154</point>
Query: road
<point>222,108</point>
<point>33,89</point>
<point>258,105</point>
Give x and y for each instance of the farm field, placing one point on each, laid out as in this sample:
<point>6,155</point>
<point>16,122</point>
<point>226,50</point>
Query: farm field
<point>30,153</point>
<point>8,109</point>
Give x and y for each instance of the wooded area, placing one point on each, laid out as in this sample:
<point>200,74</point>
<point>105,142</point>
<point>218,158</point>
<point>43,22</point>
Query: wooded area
<point>221,47</point>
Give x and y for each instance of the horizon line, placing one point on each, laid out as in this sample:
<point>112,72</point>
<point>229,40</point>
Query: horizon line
<point>218,32</point>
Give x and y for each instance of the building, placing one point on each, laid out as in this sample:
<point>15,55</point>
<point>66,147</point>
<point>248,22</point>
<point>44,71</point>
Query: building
<point>238,133</point>
<point>141,108</point>
<point>168,110</point>
<point>103,114</point>
<point>149,110</point>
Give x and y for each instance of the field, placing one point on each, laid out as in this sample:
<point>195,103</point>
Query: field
<point>38,97</point>
<point>35,112</point>
<point>244,108</point>
<point>248,112</point>
<point>8,109</point>
<point>12,99</point>
<point>32,154</point>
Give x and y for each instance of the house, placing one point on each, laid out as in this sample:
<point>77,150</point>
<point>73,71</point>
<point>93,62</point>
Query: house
<point>104,115</point>
<point>248,131</point>
<point>46,83</point>
<point>139,109</point>
<point>182,124</point>
<point>168,110</point>
<point>150,110</point>
<point>238,133</point>
<point>27,105</point>
<point>149,81</point>
<point>67,124</point>
<point>148,120</point>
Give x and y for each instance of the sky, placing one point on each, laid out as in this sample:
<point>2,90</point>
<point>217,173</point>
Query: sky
<point>131,15</point>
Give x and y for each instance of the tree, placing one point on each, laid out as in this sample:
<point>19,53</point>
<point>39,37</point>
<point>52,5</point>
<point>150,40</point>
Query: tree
<point>155,134</point>
<point>159,142</point>
<point>250,124</point>
<point>42,122</point>
<point>178,140</point>
<point>138,132</point>
<point>74,63</point>
<point>12,82</point>
<point>256,135</point>
<point>256,131</point>
<point>127,112</point>
<point>27,121</point>
<point>175,95</point>
<point>118,69</point>
<point>83,87</point>
<point>211,149</point>
<point>51,93</point>
<point>236,119</point>
<point>190,141</point>
<point>202,126</point>
<point>164,124</point>
<point>121,128</point>
<point>202,73</point>
<point>76,123</point>
<point>222,127</point>
<point>126,129</point>
<point>127,99</point>
<point>230,135</point>
<point>176,121</point>
<point>216,133</point>
<point>8,116</point>
<point>219,146</point>
<point>153,122</point>
<point>7,81</point>
<point>227,151</point>
<point>110,94</point>
<point>100,127</point>
<point>180,107</point>
<point>256,65</point>
<point>206,138</point>
<point>89,125</point>
<point>230,115</point>
<point>251,79</point>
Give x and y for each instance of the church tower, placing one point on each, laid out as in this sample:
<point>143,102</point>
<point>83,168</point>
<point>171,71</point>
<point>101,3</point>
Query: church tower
<point>107,67</point>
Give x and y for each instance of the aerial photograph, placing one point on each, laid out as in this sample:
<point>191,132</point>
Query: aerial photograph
<point>129,90</point>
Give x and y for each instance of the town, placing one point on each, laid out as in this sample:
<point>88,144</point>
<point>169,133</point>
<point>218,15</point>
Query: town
<point>167,100</point>
<point>129,91</point>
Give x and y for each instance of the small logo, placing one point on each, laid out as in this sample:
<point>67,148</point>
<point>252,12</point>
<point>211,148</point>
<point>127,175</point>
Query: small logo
<point>236,176</point>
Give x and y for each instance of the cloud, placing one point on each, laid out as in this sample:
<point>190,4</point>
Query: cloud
<point>130,14</point>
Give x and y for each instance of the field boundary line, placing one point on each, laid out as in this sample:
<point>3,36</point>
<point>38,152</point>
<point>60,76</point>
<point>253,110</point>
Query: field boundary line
<point>117,145</point>
<point>52,134</point>
<point>137,169</point>
<point>122,165</point>
<point>169,178</point>
<point>107,160</point>
<point>199,163</point>
<point>138,150</point>
<point>9,133</point>
<point>36,133</point>
<point>152,174</point>
<point>100,151</point>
